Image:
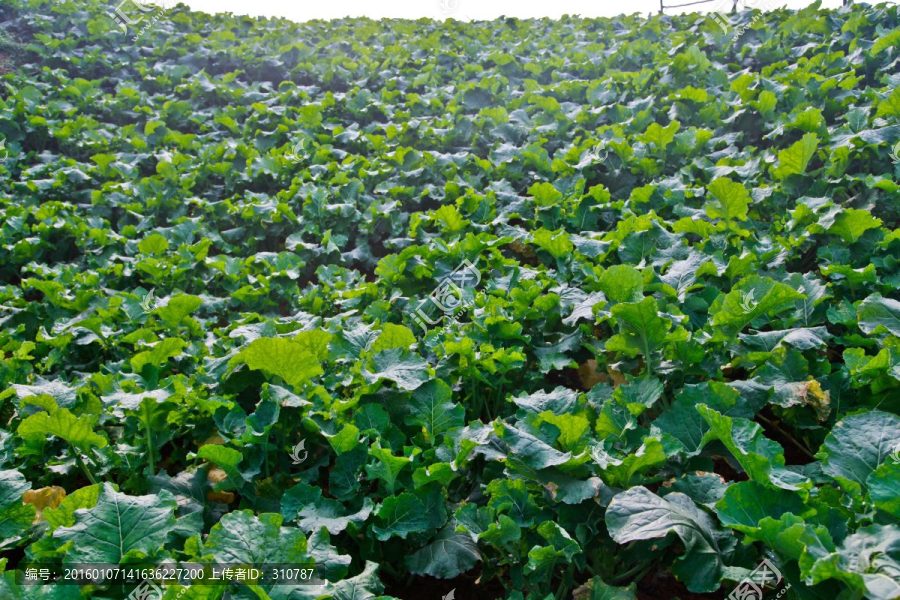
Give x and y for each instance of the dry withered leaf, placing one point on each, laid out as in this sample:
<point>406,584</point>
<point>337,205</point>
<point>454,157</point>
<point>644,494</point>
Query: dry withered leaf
<point>589,375</point>
<point>45,497</point>
<point>223,497</point>
<point>216,475</point>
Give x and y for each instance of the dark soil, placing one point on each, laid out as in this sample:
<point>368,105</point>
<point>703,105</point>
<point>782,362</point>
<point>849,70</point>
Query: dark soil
<point>660,585</point>
<point>654,586</point>
<point>429,588</point>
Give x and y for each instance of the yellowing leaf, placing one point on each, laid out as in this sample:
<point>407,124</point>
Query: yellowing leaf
<point>45,497</point>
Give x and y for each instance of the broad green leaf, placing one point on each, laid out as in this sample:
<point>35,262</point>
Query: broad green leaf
<point>639,514</point>
<point>795,159</point>
<point>365,586</point>
<point>288,359</point>
<point>682,275</point>
<point>511,497</point>
<point>305,504</point>
<point>557,244</point>
<point>77,431</point>
<point>64,514</point>
<point>441,472</point>
<point>449,555</point>
<point>345,474</point>
<point>431,408</point>
<point>561,549</point>
<point>314,341</point>
<point>222,456</point>
<point>852,223</point>
<point>330,563</point>
<point>242,538</point>
<point>154,244</point>
<point>890,106</point>
<point>867,561</point>
<point>792,537</point>
<point>730,200</point>
<point>621,472</point>
<point>639,394</point>
<point>530,450</point>
<point>158,355</point>
<point>704,488</point>
<point>746,503</point>
<point>753,296</point>
<point>621,283</point>
<point>386,466</point>
<point>661,136</point>
<point>641,329</point>
<point>11,588</point>
<point>761,458</point>
<point>177,308</point>
<point>502,533</point>
<point>877,315</point>
<point>15,517</point>
<point>859,443</point>
<point>682,422</point>
<point>345,440</point>
<point>884,488</point>
<point>596,589</point>
<point>406,370</point>
<point>393,336</point>
<point>399,516</point>
<point>119,525</point>
<point>561,400</point>
<point>572,429</point>
<point>570,490</point>
<point>62,394</point>
<point>545,195</point>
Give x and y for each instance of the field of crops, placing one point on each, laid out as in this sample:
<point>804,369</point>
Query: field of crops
<point>538,310</point>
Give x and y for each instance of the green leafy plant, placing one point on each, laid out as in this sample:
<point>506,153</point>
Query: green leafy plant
<point>680,356</point>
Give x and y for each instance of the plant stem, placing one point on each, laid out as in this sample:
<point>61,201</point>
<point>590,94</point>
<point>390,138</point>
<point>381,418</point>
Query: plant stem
<point>794,441</point>
<point>635,569</point>
<point>267,447</point>
<point>84,469</point>
<point>148,437</point>
<point>564,584</point>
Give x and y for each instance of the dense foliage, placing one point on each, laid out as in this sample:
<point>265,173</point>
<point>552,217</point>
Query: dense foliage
<point>676,351</point>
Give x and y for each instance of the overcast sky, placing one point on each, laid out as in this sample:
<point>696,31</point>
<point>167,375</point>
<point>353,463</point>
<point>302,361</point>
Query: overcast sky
<point>302,10</point>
